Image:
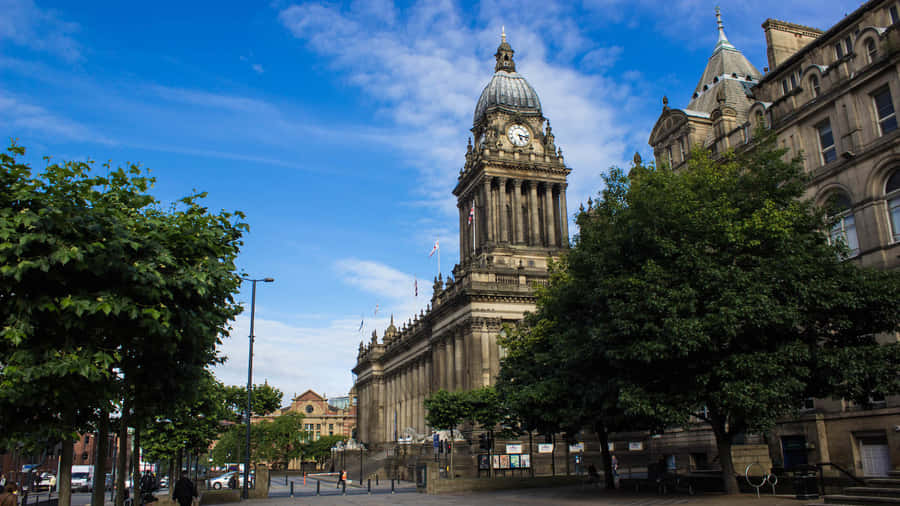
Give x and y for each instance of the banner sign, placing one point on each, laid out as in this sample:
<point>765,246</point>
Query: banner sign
<point>545,448</point>
<point>504,462</point>
<point>514,448</point>
<point>635,446</point>
<point>577,447</point>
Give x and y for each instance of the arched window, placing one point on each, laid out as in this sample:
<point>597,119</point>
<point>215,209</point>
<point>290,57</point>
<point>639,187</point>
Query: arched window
<point>844,229</point>
<point>814,85</point>
<point>892,195</point>
<point>871,50</point>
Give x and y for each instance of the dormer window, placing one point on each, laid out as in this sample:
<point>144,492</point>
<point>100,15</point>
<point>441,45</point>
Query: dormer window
<point>871,50</point>
<point>843,48</point>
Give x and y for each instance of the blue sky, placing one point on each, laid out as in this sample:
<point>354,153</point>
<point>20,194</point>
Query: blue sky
<point>340,127</point>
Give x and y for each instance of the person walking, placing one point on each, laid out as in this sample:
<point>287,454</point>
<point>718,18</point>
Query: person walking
<point>342,479</point>
<point>184,492</point>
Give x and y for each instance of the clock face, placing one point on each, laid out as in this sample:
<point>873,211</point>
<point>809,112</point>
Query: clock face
<point>518,135</point>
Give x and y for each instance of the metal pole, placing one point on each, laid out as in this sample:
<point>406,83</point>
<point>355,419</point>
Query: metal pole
<point>245,493</point>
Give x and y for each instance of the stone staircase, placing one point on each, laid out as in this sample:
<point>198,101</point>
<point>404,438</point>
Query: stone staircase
<point>878,491</point>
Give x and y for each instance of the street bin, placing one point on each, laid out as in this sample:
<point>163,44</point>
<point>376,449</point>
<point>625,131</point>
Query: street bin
<point>806,482</point>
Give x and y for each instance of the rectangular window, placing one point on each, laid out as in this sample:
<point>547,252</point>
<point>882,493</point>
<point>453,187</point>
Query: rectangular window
<point>826,142</point>
<point>884,108</point>
<point>848,44</point>
<point>809,404</point>
<point>894,15</point>
<point>793,81</point>
<point>330,426</point>
<point>683,149</point>
<point>669,156</point>
<point>318,426</point>
<point>839,50</point>
<point>784,86</point>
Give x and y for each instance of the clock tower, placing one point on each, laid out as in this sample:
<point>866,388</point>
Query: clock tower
<point>511,193</point>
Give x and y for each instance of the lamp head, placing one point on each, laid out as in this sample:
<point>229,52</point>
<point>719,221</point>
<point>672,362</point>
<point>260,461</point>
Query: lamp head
<point>268,280</point>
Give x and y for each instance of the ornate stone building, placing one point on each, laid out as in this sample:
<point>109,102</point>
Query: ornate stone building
<point>832,97</point>
<point>511,196</point>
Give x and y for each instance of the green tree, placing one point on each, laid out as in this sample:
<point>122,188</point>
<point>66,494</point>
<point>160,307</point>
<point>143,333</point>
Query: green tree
<point>281,439</point>
<point>715,287</point>
<point>320,449</point>
<point>102,288</point>
<point>446,410</point>
<point>266,399</point>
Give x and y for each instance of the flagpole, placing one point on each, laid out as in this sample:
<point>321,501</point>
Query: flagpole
<point>474,221</point>
<point>439,260</point>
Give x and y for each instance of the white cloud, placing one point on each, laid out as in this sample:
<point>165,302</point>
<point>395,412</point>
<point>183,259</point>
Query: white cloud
<point>426,69</point>
<point>21,116</point>
<point>23,23</point>
<point>257,68</point>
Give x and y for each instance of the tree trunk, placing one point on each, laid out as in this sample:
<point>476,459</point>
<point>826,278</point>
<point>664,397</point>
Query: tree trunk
<point>553,454</point>
<point>102,448</point>
<point>136,463</point>
<point>566,441</point>
<point>723,444</point>
<point>64,480</point>
<point>603,436</point>
<point>531,451</point>
<point>122,460</point>
<point>171,476</point>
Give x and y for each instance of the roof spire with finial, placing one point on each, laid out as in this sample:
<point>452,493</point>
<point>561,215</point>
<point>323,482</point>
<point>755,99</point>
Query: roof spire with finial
<point>504,54</point>
<point>723,40</point>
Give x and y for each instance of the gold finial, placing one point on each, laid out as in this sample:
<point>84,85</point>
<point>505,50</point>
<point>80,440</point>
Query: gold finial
<point>503,33</point>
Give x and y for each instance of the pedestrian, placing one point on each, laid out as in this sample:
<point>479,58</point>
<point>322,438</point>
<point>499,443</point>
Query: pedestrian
<point>9,497</point>
<point>232,481</point>
<point>342,479</point>
<point>184,492</point>
<point>615,471</point>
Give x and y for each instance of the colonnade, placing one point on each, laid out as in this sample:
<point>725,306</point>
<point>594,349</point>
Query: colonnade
<point>514,211</point>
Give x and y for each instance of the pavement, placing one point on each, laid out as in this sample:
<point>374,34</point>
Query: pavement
<point>405,493</point>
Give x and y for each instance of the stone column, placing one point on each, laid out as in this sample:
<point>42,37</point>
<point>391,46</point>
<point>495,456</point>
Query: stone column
<point>485,359</point>
<point>565,215</point>
<point>428,389</point>
<point>517,211</point>
<point>458,348</point>
<point>449,361</point>
<point>462,232</point>
<point>504,219</point>
<point>550,215</point>
<point>486,192</point>
<point>535,239</point>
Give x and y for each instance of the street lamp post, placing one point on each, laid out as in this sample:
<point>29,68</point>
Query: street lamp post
<point>244,490</point>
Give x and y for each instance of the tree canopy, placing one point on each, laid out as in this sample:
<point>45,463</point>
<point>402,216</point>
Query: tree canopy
<point>712,292</point>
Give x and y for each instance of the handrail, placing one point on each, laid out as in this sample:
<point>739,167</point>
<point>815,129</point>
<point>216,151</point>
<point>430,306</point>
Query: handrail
<point>839,468</point>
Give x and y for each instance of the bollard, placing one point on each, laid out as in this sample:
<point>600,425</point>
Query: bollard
<point>369,486</point>
<point>392,485</point>
<point>344,488</point>
<point>285,479</point>
<point>317,486</point>
<point>376,480</point>
<point>292,488</point>
<point>304,479</point>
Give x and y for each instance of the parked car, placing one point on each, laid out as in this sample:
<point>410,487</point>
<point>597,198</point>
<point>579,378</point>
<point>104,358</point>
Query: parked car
<point>222,481</point>
<point>82,482</point>
<point>164,482</point>
<point>48,482</point>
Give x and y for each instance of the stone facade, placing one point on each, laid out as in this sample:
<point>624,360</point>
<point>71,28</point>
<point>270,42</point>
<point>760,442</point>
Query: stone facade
<point>511,196</point>
<point>831,97</point>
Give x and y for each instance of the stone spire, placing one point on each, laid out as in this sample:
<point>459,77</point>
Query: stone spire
<point>504,55</point>
<point>723,40</point>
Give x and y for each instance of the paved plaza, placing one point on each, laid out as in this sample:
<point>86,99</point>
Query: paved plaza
<point>405,493</point>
